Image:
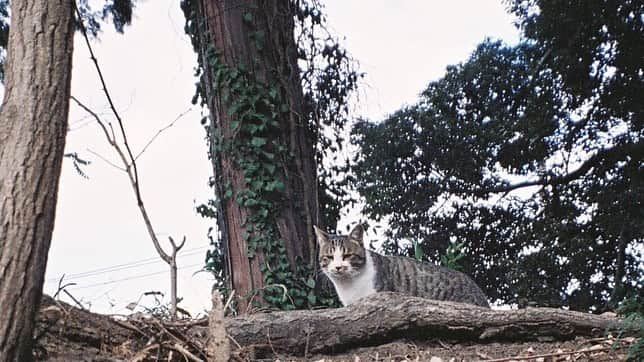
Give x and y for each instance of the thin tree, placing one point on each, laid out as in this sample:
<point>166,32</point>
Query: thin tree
<point>33,124</point>
<point>128,159</point>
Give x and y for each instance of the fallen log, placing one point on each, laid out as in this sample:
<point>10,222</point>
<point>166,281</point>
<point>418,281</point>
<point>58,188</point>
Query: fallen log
<point>385,317</point>
<point>375,320</point>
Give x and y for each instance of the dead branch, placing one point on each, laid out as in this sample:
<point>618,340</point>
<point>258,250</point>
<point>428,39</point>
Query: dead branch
<point>129,163</point>
<point>106,160</point>
<point>218,346</point>
<point>161,131</point>
<point>108,96</point>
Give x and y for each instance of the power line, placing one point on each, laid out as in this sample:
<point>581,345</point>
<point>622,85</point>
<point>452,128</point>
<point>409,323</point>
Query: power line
<point>124,266</point>
<point>118,267</point>
<point>129,278</point>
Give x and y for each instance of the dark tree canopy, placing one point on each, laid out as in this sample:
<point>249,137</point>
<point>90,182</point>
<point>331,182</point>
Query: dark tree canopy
<point>119,12</point>
<point>531,155</point>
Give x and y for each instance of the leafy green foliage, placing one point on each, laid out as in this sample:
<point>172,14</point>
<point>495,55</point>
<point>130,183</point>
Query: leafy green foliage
<point>530,156</point>
<point>255,146</point>
<point>255,108</point>
<point>119,11</point>
<point>632,309</point>
<point>452,257</point>
<point>78,163</point>
<point>419,254</point>
<point>329,80</point>
<point>159,308</point>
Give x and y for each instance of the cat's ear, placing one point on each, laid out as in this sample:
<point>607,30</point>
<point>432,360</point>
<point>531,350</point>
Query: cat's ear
<point>356,233</point>
<point>321,235</point>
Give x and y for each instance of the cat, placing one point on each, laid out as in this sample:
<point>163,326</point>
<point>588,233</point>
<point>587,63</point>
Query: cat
<point>357,272</point>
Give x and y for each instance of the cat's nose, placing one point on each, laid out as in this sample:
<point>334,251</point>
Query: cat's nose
<point>339,267</point>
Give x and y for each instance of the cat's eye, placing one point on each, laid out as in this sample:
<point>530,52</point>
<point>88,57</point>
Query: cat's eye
<point>349,256</point>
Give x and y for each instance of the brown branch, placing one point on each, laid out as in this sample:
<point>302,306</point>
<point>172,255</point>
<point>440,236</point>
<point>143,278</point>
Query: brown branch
<point>593,161</point>
<point>133,181</point>
<point>161,131</point>
<point>186,354</point>
<point>94,115</point>
<point>111,103</point>
<point>106,160</point>
<point>131,169</point>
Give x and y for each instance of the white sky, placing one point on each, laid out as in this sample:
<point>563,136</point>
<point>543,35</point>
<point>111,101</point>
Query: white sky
<point>401,45</point>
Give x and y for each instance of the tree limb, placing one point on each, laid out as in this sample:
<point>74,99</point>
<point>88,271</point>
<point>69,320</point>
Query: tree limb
<point>616,151</point>
<point>109,100</point>
<point>129,163</point>
<point>161,131</point>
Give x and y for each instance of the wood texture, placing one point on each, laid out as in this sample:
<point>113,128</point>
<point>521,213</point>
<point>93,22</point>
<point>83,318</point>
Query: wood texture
<point>33,125</point>
<point>275,65</point>
<point>378,319</point>
<point>385,317</point>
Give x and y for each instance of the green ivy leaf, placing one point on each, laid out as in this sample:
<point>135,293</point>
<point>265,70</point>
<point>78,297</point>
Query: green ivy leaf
<point>312,299</point>
<point>248,17</point>
<point>274,185</point>
<point>258,141</point>
<point>270,167</point>
<point>263,213</point>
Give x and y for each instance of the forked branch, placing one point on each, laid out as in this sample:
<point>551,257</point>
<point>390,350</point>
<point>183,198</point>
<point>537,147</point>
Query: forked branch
<point>129,165</point>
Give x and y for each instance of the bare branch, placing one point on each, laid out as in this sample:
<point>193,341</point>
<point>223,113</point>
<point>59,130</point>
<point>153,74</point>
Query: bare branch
<point>96,117</point>
<point>174,245</point>
<point>111,103</point>
<point>161,131</point>
<point>129,163</point>
<point>111,139</point>
<point>106,160</point>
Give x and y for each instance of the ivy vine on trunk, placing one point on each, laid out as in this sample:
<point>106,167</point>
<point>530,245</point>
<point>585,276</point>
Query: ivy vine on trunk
<point>265,141</point>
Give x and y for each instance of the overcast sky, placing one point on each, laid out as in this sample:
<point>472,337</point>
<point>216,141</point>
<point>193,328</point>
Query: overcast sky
<point>100,241</point>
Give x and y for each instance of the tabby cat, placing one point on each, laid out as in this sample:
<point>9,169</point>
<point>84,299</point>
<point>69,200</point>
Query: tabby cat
<point>356,272</point>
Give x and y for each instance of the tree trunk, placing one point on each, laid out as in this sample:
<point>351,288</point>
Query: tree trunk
<point>620,265</point>
<point>233,28</point>
<point>33,124</point>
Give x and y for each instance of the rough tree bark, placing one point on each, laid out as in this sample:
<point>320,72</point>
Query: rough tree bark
<point>385,317</point>
<point>33,124</point>
<point>377,319</point>
<point>276,64</point>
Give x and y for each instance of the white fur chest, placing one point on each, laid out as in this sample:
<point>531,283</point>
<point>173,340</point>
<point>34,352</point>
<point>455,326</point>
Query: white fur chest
<point>351,289</point>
